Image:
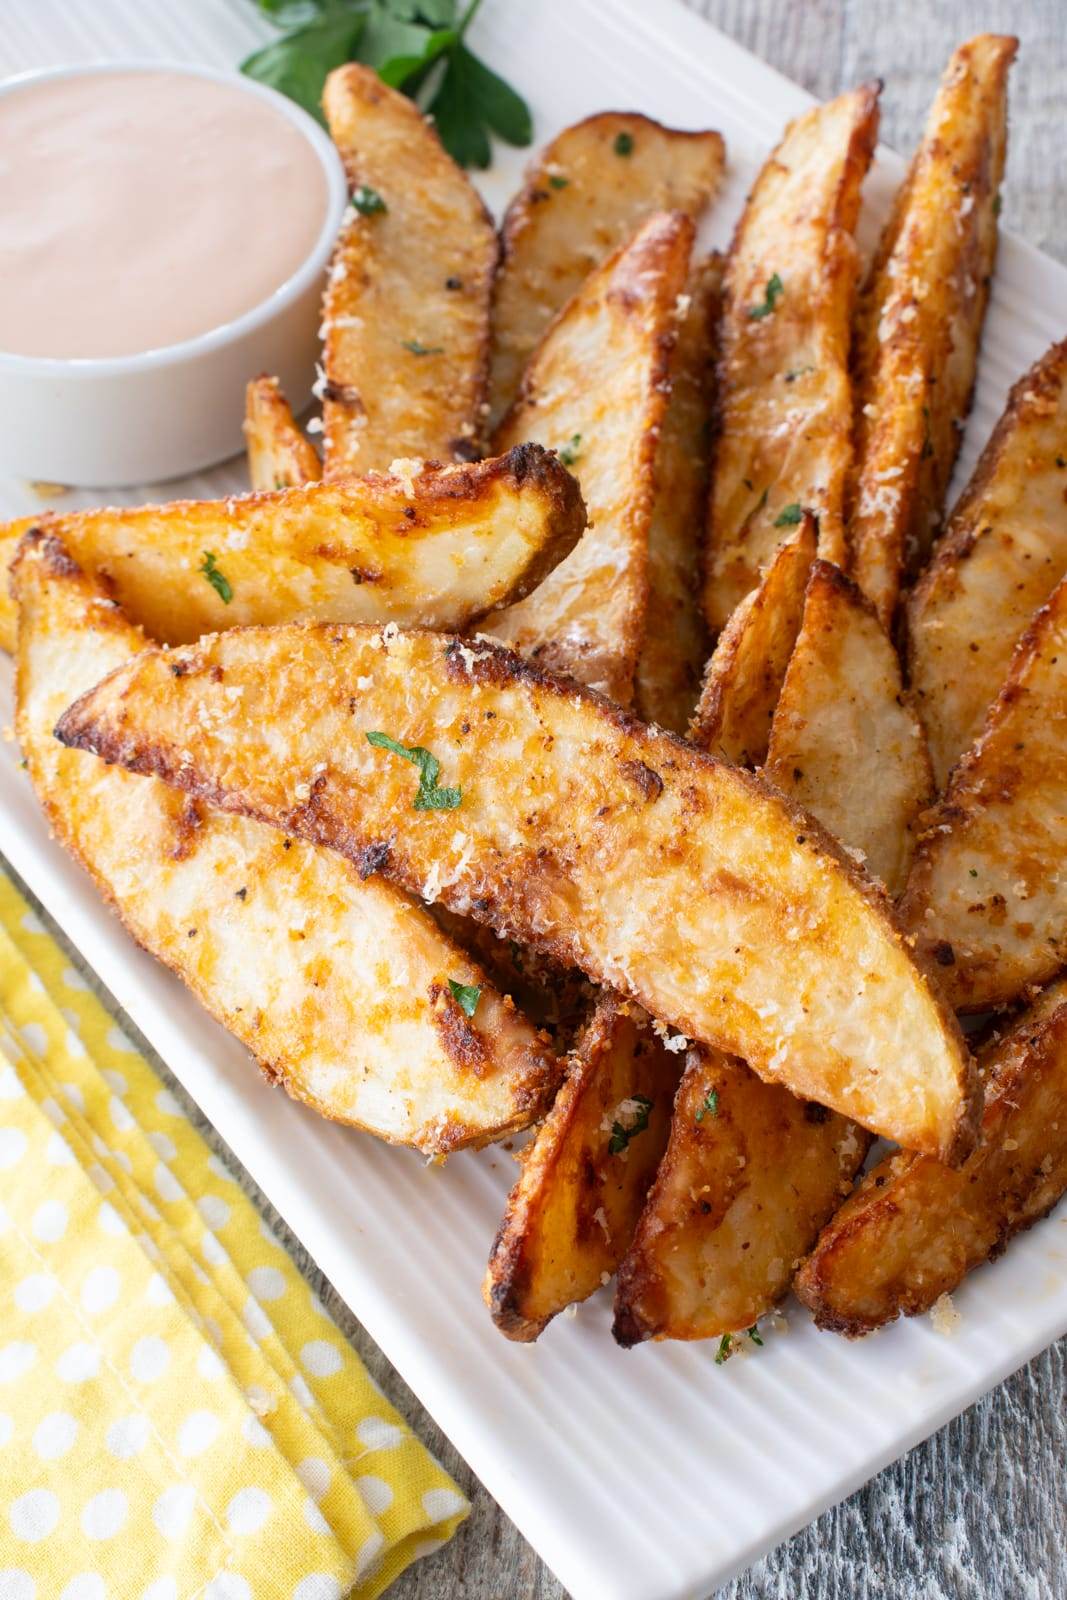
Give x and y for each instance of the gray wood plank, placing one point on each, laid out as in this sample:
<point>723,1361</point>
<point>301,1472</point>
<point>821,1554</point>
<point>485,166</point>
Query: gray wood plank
<point>978,1512</point>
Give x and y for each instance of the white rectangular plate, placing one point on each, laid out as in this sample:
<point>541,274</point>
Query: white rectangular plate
<point>653,1474</point>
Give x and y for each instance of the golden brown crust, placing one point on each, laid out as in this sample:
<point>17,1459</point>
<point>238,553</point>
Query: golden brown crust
<point>914,1229</point>
<point>566,854</point>
<point>984,897</point>
<point>1003,552</point>
<point>584,1177</point>
<point>339,989</point>
<point>406,310</point>
<point>444,543</point>
<point>920,318</point>
<point>279,456</point>
<point>581,201</point>
<point>596,388</point>
<point>675,645</point>
<point>846,742</point>
<point>749,1177</point>
<point>784,399</point>
<point>746,672</point>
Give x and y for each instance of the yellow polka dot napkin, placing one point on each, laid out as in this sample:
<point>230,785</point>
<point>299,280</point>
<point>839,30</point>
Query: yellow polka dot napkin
<point>179,1417</point>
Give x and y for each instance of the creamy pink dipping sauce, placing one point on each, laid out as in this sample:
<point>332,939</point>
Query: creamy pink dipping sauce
<point>139,209</point>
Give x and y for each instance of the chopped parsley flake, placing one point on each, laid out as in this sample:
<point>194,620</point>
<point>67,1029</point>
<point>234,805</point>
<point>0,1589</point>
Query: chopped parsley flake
<point>622,1134</point>
<point>797,372</point>
<point>428,796</point>
<point>569,453</point>
<point>771,295</point>
<point>724,1349</point>
<point>221,585</point>
<point>973,871</point>
<point>754,1335</point>
<point>556,181</point>
<point>418,349</point>
<point>997,203</point>
<point>710,1106</point>
<point>466,996</point>
<point>367,200</point>
<point>789,516</point>
<point>624,144</point>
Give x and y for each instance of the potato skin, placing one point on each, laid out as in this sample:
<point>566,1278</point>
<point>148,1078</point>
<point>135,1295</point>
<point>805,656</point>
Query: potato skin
<point>572,1213</point>
<point>406,309</point>
<point>580,202</point>
<point>1002,553</point>
<point>577,830</point>
<point>914,1228</point>
<point>445,544</point>
<point>783,394</point>
<point>984,898</point>
<point>340,989</point>
<point>279,456</point>
<point>920,319</point>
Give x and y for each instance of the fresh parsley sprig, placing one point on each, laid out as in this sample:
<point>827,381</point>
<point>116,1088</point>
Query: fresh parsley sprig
<point>466,996</point>
<point>218,581</point>
<point>417,46</point>
<point>429,796</point>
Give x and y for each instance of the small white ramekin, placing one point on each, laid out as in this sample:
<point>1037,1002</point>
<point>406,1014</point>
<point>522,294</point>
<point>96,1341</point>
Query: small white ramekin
<point>163,413</point>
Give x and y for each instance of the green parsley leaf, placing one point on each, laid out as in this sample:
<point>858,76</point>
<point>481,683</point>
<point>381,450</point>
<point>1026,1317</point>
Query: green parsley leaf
<point>621,1134</point>
<point>418,349</point>
<point>569,453</point>
<point>771,295</point>
<point>467,996</point>
<point>367,200</point>
<point>221,585</point>
<point>789,516</point>
<point>555,181</point>
<point>710,1107</point>
<point>724,1349</point>
<point>416,46</point>
<point>754,1334</point>
<point>973,871</point>
<point>428,796</point>
<point>624,144</point>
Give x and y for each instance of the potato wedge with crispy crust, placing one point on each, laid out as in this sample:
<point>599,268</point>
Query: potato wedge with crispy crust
<point>339,988</point>
<point>440,547</point>
<point>748,667</point>
<point>679,881</point>
<point>279,456</point>
<point>675,645</point>
<point>914,1228</point>
<point>846,743</point>
<point>1003,552</point>
<point>985,897</point>
<point>584,196</point>
<point>406,311</point>
<point>571,1215</point>
<point>784,397</point>
<point>920,319</point>
<point>596,389</point>
<point>749,1177</point>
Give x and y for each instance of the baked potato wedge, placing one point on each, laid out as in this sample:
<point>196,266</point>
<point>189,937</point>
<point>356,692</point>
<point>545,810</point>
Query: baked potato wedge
<point>749,1177</point>
<point>985,896</point>
<point>585,1175</point>
<point>920,318</point>
<point>279,455</point>
<point>675,644</point>
<point>784,395</point>
<point>748,667</point>
<point>441,546</point>
<point>846,743</point>
<point>596,389</point>
<point>341,989</point>
<point>679,881</point>
<point>406,310</point>
<point>1003,552</point>
<point>914,1229</point>
<point>584,196</point>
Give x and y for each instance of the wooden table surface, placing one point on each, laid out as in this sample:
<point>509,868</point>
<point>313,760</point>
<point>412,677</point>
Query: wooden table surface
<point>978,1512</point>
